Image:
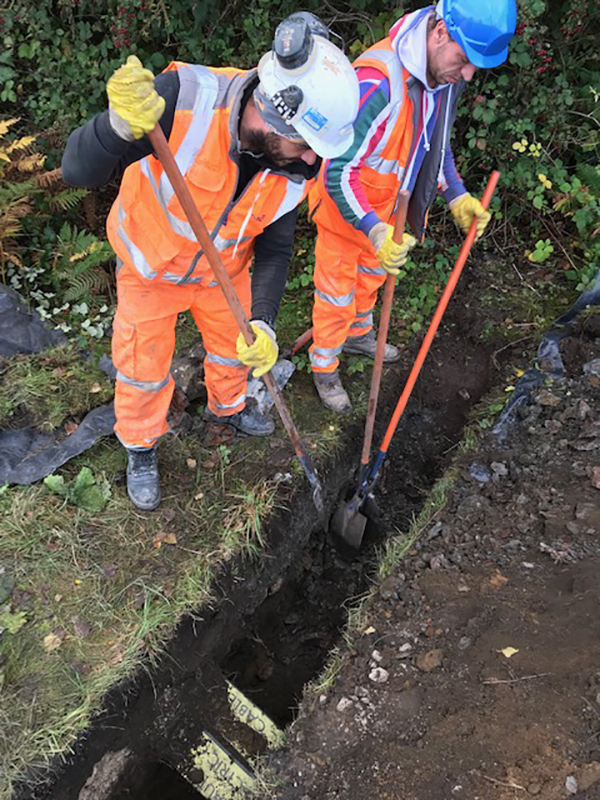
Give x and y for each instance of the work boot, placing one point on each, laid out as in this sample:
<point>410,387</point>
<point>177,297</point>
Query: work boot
<point>143,480</point>
<point>366,345</point>
<point>249,421</point>
<point>332,393</point>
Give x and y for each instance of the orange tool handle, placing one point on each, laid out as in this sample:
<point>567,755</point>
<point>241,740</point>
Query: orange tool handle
<point>384,322</point>
<point>437,317</point>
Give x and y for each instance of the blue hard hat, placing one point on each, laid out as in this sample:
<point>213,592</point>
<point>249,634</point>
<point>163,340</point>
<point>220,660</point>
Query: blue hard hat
<point>483,28</point>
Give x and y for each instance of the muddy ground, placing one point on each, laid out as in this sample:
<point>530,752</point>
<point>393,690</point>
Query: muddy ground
<point>429,704</point>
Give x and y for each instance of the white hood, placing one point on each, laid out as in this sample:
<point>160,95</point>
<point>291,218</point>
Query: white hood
<point>410,43</point>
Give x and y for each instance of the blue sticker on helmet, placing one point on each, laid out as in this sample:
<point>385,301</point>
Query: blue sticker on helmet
<point>315,119</point>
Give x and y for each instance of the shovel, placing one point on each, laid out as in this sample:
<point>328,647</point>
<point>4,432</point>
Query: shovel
<point>349,521</point>
<point>163,153</point>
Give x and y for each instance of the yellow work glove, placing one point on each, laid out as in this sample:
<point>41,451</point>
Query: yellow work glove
<point>465,209</point>
<point>262,354</point>
<point>134,105</point>
<point>391,256</point>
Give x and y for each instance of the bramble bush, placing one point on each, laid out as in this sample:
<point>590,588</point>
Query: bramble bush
<point>537,118</point>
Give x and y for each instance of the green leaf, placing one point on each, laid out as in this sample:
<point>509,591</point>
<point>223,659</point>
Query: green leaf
<point>56,484</point>
<point>12,621</point>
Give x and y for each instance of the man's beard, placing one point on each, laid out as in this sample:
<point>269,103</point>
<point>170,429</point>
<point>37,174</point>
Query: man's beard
<point>267,145</point>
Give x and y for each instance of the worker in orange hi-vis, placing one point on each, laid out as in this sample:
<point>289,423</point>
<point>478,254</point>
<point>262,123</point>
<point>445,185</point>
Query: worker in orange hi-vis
<point>249,144</point>
<point>410,84</point>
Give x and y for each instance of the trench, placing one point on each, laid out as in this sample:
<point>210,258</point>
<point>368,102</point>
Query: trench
<point>275,621</point>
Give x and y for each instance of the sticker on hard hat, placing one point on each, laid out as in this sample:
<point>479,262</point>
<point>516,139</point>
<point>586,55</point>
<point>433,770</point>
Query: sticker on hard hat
<point>315,119</point>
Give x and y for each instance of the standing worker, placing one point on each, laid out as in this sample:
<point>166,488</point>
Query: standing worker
<point>249,144</point>
<point>410,84</point>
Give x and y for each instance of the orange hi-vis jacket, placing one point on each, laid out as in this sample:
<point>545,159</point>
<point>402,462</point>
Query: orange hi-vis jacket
<point>147,226</point>
<point>383,171</point>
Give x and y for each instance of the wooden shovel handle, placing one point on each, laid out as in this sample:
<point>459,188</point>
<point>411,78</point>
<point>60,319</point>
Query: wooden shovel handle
<point>384,322</point>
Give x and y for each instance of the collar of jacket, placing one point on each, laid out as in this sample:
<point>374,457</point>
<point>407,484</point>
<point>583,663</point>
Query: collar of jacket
<point>242,86</point>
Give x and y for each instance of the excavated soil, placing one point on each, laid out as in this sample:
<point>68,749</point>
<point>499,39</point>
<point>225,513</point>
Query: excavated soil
<point>430,704</point>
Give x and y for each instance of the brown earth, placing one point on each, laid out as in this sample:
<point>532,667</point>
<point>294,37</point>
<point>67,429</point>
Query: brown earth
<point>429,705</point>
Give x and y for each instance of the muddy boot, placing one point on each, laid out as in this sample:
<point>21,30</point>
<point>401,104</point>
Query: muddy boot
<point>249,421</point>
<point>143,480</point>
<point>366,345</point>
<point>332,393</point>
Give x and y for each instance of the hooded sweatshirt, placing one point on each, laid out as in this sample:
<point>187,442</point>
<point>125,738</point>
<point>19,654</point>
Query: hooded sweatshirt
<point>342,175</point>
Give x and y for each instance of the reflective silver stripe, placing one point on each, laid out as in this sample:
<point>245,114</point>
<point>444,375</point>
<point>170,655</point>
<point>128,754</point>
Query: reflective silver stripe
<point>327,351</point>
<point>213,358</point>
<point>212,284</point>
<point>241,399</point>
<point>365,322</point>
<point>145,386</point>
<point>180,226</point>
<point>222,244</point>
<point>172,277</point>
<point>342,300</point>
<point>207,91</point>
<point>383,166</point>
<point>293,197</point>
<point>322,361</point>
<point>371,270</point>
<point>139,262</point>
<point>119,265</point>
<point>364,313</point>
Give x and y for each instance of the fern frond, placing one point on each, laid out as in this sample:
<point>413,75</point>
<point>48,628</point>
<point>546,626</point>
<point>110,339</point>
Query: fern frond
<point>30,163</point>
<point>47,180</point>
<point>67,199</point>
<point>5,124</point>
<point>590,176</point>
<point>21,144</point>
<point>92,282</point>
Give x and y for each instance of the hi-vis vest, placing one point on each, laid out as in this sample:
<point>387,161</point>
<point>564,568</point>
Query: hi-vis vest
<point>384,171</point>
<point>146,225</point>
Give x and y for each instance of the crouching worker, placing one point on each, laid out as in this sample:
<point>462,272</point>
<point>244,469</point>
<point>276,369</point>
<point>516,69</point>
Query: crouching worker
<point>410,84</point>
<point>249,144</point>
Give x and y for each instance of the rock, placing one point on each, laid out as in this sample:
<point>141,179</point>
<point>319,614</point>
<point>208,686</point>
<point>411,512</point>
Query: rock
<point>479,472</point>
<point>589,775</point>
<point>379,675</point>
<point>405,650</point>
<point>583,410</point>
<point>571,785</point>
<point>105,776</point>
<point>376,656</point>
<point>595,477</point>
<point>534,788</point>
<point>464,643</point>
<point>592,367</point>
<point>429,661</point>
<point>499,468</point>
<point>438,562</point>
<point>7,584</point>
<point>344,704</point>
<point>388,588</point>
<point>547,399</point>
<point>435,531</point>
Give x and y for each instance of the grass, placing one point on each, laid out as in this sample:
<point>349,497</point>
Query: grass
<point>102,592</point>
<point>44,389</point>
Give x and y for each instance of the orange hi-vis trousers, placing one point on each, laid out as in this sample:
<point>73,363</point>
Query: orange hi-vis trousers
<point>347,278</point>
<point>144,340</point>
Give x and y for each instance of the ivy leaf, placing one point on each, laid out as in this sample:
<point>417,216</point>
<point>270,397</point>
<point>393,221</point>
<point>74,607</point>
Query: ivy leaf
<point>56,484</point>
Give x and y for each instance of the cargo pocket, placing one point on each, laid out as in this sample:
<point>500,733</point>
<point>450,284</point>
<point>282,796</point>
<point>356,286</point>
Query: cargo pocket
<point>124,350</point>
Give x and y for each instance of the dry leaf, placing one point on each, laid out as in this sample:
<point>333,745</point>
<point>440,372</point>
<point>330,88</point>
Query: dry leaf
<point>70,426</point>
<point>170,538</point>
<point>52,642</point>
<point>81,627</point>
<point>199,496</point>
<point>95,388</point>
<point>163,538</point>
<point>192,463</point>
<point>497,580</point>
<point>508,652</point>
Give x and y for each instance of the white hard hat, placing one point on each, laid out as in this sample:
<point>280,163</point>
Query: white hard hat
<point>312,87</point>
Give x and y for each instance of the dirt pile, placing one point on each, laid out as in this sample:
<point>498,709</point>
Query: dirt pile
<point>476,671</point>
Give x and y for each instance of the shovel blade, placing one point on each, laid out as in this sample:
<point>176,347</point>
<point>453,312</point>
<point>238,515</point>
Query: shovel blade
<point>348,524</point>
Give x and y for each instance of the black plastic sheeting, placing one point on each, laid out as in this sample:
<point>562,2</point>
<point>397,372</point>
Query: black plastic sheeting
<point>548,363</point>
<point>22,331</point>
<point>26,455</point>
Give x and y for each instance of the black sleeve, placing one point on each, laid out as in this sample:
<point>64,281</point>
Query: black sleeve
<point>94,154</point>
<point>272,255</point>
